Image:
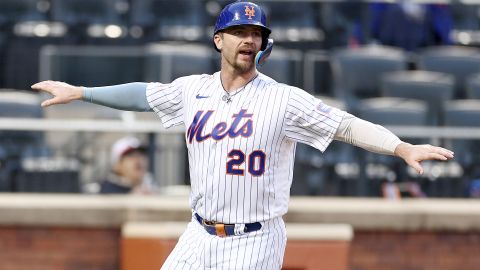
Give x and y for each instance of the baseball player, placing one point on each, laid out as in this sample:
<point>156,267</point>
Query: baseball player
<point>242,128</point>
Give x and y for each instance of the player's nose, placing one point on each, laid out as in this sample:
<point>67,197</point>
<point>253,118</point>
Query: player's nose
<point>249,37</point>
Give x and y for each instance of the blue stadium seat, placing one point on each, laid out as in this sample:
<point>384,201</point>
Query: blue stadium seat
<point>432,87</point>
<point>461,62</point>
<point>357,72</point>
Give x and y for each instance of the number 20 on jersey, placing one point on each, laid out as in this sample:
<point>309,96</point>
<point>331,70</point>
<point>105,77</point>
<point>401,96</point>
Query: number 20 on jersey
<point>255,162</point>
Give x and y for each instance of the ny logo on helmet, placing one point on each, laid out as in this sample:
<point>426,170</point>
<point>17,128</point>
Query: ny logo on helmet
<point>250,12</point>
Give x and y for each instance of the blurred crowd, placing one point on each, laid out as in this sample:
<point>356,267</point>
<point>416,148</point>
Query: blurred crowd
<point>402,63</point>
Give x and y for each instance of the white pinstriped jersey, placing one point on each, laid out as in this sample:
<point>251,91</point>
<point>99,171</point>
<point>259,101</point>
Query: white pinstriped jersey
<point>241,153</point>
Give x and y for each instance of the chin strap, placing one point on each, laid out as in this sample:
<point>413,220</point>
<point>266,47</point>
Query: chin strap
<point>262,56</point>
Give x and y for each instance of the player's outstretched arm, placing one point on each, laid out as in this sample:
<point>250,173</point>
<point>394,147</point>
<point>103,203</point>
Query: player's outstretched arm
<point>378,139</point>
<point>414,154</point>
<point>62,92</point>
<point>129,96</point>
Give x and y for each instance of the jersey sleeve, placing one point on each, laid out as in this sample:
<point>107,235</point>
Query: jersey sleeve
<point>167,101</point>
<point>308,120</point>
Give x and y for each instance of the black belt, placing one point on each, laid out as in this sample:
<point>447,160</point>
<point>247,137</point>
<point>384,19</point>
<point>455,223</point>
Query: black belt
<point>223,230</point>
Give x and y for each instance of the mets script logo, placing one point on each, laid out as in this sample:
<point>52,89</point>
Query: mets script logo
<point>250,12</point>
<point>241,125</point>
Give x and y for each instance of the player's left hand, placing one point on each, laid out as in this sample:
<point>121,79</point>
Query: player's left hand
<point>62,93</point>
<point>415,154</point>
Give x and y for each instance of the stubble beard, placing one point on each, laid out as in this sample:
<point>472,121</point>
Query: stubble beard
<point>243,67</point>
<point>240,67</point>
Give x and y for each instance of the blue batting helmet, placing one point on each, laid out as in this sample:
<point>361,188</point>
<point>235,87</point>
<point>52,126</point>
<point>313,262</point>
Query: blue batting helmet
<point>243,13</point>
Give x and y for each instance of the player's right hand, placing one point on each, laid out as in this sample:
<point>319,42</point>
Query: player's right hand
<point>62,92</point>
<point>415,154</point>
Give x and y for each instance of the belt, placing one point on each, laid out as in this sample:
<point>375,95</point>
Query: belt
<point>223,230</point>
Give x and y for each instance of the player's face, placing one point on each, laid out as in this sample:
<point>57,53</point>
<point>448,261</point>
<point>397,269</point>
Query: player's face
<point>239,45</point>
<point>133,166</point>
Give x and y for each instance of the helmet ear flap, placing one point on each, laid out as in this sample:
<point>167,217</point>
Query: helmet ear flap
<point>264,40</point>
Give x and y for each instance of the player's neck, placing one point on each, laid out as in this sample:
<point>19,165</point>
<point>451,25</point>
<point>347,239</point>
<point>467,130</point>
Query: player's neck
<point>232,81</point>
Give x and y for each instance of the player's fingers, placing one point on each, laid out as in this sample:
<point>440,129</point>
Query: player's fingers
<point>444,152</point>
<point>43,86</point>
<point>432,152</point>
<point>51,101</point>
<point>436,156</point>
<point>46,103</point>
<point>416,165</point>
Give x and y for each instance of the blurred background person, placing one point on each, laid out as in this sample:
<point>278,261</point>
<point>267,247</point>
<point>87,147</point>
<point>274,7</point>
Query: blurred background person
<point>410,25</point>
<point>129,172</point>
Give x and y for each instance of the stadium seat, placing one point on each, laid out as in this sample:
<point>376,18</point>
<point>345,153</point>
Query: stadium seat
<point>388,111</point>
<point>166,62</point>
<point>22,64</point>
<point>26,26</point>
<point>14,11</point>
<point>92,65</point>
<point>169,20</point>
<point>464,113</point>
<point>17,104</point>
<point>3,54</point>
<point>450,179</point>
<point>293,22</point>
<point>92,21</point>
<point>465,16</point>
<point>317,75</point>
<point>74,12</point>
<point>394,111</point>
<point>284,66</point>
<point>48,175</point>
<point>473,86</point>
<point>15,145</point>
<point>357,72</point>
<point>461,62</point>
<point>432,87</point>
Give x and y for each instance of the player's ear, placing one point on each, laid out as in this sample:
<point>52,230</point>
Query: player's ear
<point>218,40</point>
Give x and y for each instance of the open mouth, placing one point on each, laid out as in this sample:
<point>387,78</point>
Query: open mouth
<point>246,52</point>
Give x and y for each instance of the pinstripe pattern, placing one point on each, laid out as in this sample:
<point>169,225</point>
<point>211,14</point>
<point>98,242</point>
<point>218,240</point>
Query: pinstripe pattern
<point>196,249</point>
<point>241,156</point>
